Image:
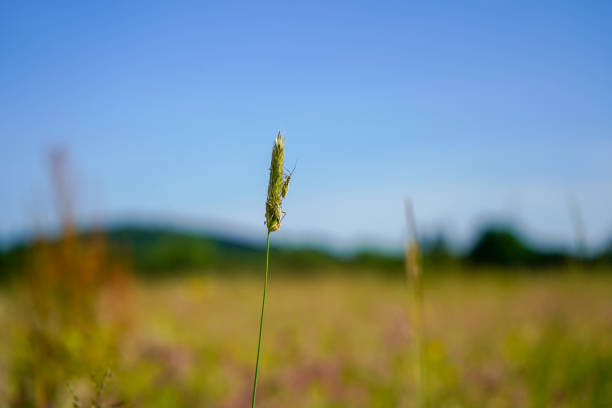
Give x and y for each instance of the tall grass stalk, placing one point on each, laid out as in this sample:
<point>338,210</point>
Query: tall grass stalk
<point>413,274</point>
<point>263,308</point>
<point>277,190</point>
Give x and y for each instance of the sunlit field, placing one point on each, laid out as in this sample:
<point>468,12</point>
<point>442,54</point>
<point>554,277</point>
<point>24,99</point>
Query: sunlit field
<point>305,204</point>
<point>346,341</point>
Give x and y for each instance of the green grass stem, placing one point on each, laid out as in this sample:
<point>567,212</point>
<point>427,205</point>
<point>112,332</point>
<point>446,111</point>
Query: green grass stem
<point>263,307</point>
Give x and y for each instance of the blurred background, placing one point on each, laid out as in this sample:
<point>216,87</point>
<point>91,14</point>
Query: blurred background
<point>448,236</point>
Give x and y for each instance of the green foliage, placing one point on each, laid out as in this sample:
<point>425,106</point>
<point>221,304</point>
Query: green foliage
<point>502,246</point>
<point>564,368</point>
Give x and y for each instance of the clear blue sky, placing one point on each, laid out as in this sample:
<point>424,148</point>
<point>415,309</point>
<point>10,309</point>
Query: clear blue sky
<point>169,109</point>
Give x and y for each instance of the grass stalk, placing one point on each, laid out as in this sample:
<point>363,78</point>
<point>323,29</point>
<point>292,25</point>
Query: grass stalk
<point>277,190</point>
<point>420,338</point>
<point>413,274</point>
<point>263,307</point>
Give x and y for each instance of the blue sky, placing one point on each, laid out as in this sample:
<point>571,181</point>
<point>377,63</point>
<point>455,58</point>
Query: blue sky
<point>490,109</point>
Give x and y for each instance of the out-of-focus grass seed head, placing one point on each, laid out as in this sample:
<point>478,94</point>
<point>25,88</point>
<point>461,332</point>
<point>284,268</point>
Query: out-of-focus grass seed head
<point>413,260</point>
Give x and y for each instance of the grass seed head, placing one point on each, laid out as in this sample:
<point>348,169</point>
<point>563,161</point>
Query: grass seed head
<point>276,186</point>
<point>413,260</point>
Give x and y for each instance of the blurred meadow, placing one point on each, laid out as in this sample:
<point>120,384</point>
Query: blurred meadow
<point>337,336</point>
<point>166,317</point>
<point>445,241</point>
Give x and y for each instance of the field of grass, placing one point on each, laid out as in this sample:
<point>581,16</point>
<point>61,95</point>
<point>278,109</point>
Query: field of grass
<point>342,341</point>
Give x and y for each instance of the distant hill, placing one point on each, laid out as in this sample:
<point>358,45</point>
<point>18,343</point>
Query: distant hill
<point>158,250</point>
<point>162,250</point>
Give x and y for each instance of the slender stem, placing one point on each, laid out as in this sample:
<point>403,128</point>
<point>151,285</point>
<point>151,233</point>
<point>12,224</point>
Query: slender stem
<point>263,306</point>
<point>420,334</point>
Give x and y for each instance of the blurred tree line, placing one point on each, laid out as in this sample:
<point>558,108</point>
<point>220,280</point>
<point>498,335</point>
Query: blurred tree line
<point>157,251</point>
